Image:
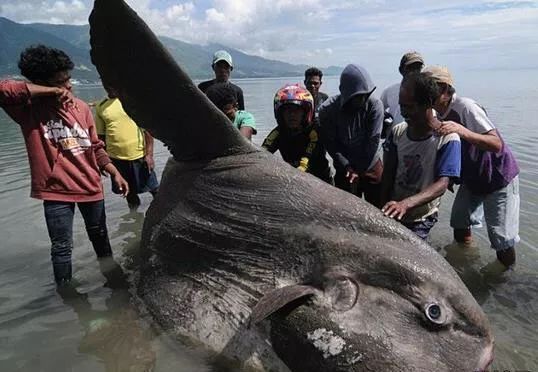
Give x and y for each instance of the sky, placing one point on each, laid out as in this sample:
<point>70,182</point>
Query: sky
<point>464,35</point>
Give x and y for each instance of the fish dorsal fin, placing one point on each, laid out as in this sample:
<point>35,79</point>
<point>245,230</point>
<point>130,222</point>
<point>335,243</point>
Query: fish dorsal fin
<point>154,90</point>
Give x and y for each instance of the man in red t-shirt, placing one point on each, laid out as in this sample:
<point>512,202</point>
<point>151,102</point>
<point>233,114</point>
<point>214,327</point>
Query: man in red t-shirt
<point>65,155</point>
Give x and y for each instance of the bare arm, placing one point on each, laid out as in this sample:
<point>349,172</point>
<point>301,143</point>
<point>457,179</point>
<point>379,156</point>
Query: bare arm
<point>488,141</point>
<point>395,209</point>
<point>148,150</point>
<point>247,132</point>
<point>64,96</point>
<point>149,141</point>
<point>116,177</point>
<point>41,90</point>
<point>431,192</point>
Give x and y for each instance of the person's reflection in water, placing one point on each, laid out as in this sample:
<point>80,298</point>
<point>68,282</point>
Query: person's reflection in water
<point>114,335</point>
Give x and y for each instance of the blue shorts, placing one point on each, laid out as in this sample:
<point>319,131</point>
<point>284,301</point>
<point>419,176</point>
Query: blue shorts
<point>137,175</point>
<point>422,228</point>
<point>500,209</point>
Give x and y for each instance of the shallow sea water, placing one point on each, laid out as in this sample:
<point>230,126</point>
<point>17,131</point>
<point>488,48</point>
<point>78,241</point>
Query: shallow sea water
<point>98,326</point>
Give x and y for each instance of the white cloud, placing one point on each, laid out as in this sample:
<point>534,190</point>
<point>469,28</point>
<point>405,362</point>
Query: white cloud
<point>70,11</point>
<point>372,32</point>
<point>180,12</point>
<point>214,16</point>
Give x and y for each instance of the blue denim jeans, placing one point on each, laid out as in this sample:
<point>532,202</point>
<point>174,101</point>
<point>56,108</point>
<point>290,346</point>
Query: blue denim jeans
<point>59,218</point>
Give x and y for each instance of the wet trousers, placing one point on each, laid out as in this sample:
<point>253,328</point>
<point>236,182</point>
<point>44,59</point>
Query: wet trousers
<point>368,185</point>
<point>59,218</point>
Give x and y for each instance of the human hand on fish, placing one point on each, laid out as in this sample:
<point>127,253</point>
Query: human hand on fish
<point>395,209</point>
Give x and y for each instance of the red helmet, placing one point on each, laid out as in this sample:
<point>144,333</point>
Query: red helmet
<point>294,94</point>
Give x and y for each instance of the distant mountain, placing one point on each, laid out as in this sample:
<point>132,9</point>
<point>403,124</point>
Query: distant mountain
<point>15,36</point>
<point>74,40</point>
<point>79,36</point>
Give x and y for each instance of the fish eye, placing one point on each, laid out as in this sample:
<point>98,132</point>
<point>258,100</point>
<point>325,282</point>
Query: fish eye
<point>434,313</point>
<point>343,293</point>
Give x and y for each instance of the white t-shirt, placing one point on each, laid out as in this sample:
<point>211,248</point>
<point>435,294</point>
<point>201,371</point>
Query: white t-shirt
<point>483,172</point>
<point>390,98</point>
<point>420,164</point>
<point>468,113</point>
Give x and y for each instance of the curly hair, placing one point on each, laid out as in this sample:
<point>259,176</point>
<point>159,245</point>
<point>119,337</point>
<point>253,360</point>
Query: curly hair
<point>221,94</point>
<point>313,71</point>
<point>39,62</point>
<point>425,88</point>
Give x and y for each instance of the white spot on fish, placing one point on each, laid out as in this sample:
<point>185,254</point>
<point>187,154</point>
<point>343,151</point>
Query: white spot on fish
<point>326,342</point>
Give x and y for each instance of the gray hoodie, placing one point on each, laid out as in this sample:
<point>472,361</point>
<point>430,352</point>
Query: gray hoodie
<point>352,138</point>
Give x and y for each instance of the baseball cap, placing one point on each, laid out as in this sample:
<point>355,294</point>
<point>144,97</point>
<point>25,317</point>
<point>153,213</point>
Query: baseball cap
<point>410,58</point>
<point>440,74</point>
<point>222,55</point>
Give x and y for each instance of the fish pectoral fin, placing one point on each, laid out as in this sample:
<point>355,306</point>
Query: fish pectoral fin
<point>277,299</point>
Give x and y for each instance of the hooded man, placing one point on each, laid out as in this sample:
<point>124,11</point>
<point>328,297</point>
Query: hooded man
<point>351,124</point>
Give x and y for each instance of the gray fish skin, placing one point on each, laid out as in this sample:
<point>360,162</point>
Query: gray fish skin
<point>271,268</point>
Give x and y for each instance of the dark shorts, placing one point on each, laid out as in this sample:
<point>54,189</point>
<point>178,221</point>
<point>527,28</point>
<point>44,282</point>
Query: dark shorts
<point>137,175</point>
<point>368,185</point>
<point>422,228</point>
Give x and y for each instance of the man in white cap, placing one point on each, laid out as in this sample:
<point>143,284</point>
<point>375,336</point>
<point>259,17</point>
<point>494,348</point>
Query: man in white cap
<point>410,62</point>
<point>222,66</point>
<point>489,171</point>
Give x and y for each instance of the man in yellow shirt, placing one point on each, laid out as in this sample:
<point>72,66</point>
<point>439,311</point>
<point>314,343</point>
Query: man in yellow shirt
<point>129,147</point>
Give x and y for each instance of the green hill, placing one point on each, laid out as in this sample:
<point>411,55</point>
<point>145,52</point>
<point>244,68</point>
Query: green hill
<point>79,36</point>
<point>15,36</point>
<point>74,40</point>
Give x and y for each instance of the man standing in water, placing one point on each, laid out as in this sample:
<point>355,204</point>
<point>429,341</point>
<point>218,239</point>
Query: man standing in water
<point>418,165</point>
<point>312,82</point>
<point>489,171</point>
<point>130,148</point>
<point>351,124</point>
<point>222,66</point>
<point>410,62</point>
<point>65,155</point>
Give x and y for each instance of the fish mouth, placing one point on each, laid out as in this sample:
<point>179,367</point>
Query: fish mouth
<point>486,358</point>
